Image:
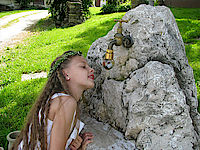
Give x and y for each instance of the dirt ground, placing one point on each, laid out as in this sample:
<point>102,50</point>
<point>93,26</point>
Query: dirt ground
<point>11,34</point>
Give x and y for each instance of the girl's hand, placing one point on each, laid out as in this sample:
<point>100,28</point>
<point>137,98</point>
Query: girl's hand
<point>87,138</point>
<point>76,143</point>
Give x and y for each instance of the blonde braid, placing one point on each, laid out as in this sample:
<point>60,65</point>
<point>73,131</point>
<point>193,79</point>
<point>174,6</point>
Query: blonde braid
<point>62,80</point>
<point>56,83</point>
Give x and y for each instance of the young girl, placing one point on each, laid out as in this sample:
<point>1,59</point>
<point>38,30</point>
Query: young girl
<point>52,123</point>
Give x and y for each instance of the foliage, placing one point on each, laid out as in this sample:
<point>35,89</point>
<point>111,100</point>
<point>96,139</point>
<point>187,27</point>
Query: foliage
<point>57,8</point>
<point>116,6</point>
<point>156,3</point>
<point>108,8</point>
<point>111,8</point>
<point>86,4</point>
<point>112,2</point>
<point>36,56</point>
<point>23,3</point>
<point>124,7</point>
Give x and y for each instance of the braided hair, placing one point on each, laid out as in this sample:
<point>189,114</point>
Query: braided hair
<point>35,128</point>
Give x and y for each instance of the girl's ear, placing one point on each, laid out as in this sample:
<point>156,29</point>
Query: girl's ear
<point>64,73</point>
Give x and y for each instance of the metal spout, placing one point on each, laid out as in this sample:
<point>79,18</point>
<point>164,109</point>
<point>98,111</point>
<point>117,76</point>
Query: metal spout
<point>118,40</point>
<point>109,54</point>
<point>108,61</point>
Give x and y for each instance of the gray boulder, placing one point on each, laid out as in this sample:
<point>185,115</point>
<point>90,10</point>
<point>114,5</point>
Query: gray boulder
<point>106,137</point>
<point>150,94</point>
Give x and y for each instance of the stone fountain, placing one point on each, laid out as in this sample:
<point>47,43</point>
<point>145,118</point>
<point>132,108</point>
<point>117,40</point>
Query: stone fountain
<point>148,100</point>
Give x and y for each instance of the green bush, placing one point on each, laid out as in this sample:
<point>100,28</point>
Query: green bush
<point>124,7</point>
<point>108,8</point>
<point>23,3</point>
<point>57,10</point>
<point>113,2</point>
<point>86,4</point>
<point>111,8</point>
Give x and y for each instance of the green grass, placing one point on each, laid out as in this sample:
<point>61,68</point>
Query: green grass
<point>186,13</point>
<point>188,21</point>
<point>190,29</point>
<point>6,13</point>
<point>16,100</point>
<point>95,10</point>
<point>16,96</point>
<point>36,56</point>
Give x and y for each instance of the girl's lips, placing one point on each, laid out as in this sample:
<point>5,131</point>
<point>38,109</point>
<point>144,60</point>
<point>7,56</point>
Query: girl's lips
<point>91,76</point>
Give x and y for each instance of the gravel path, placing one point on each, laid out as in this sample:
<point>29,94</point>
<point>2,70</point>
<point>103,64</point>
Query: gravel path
<point>13,31</point>
<point>13,27</point>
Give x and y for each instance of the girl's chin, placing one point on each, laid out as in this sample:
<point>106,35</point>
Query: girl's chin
<point>91,86</point>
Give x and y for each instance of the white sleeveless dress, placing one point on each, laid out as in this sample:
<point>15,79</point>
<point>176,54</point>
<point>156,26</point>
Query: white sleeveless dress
<point>49,127</point>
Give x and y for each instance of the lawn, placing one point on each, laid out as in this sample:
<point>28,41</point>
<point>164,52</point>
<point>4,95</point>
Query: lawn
<point>16,96</point>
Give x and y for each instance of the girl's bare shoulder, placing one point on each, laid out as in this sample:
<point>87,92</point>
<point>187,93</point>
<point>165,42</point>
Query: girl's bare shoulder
<point>63,100</point>
<point>61,103</point>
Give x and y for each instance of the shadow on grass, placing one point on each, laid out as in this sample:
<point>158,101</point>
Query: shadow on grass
<point>47,24</point>
<point>186,13</point>
<point>189,29</point>
<point>44,24</point>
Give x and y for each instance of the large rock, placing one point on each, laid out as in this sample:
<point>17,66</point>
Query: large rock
<point>150,93</point>
<point>106,137</point>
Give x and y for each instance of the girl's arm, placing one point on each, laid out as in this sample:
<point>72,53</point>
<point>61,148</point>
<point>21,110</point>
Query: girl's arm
<point>62,123</point>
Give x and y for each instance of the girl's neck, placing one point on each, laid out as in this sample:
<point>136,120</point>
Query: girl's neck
<point>76,93</point>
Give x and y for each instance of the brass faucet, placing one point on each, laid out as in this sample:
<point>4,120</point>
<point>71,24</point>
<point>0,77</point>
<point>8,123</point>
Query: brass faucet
<point>118,40</point>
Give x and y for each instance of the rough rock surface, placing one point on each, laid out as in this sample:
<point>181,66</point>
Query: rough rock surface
<point>150,93</point>
<point>106,137</point>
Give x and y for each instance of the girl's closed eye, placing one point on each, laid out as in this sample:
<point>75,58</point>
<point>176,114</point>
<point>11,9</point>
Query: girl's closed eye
<point>83,66</point>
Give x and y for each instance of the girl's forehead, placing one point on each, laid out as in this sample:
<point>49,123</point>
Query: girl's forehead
<point>79,59</point>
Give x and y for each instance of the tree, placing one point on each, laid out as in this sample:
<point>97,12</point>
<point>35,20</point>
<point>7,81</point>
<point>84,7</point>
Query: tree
<point>57,9</point>
<point>23,3</point>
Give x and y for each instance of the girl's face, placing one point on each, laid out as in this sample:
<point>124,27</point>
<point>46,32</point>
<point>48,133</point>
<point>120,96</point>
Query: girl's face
<point>80,73</point>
